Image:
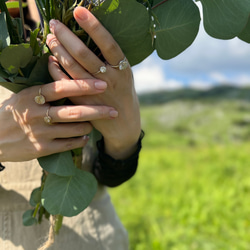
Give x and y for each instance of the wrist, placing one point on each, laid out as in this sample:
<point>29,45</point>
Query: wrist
<point>122,148</point>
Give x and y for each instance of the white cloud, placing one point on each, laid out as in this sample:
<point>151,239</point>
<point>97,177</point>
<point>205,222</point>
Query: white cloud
<point>150,77</point>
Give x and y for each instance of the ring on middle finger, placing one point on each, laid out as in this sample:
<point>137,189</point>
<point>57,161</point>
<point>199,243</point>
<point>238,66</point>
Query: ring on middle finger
<point>47,118</point>
<point>102,70</point>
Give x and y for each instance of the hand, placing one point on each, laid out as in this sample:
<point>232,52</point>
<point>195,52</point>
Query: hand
<point>120,135</point>
<point>24,135</point>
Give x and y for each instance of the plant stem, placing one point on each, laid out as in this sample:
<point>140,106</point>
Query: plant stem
<point>22,18</point>
<point>58,223</point>
<point>14,37</point>
<point>157,5</point>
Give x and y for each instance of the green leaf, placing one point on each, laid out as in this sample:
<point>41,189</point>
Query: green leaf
<point>60,164</point>
<point>28,219</point>
<point>68,196</point>
<point>177,26</point>
<point>15,57</point>
<point>35,196</point>
<point>245,34</point>
<point>15,4</point>
<point>4,34</point>
<point>225,19</point>
<point>14,87</point>
<point>34,43</point>
<point>40,73</point>
<point>129,23</point>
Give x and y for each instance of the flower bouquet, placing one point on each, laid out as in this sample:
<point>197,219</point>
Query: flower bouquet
<point>139,27</point>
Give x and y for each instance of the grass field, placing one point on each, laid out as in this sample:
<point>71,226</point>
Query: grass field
<point>192,188</point>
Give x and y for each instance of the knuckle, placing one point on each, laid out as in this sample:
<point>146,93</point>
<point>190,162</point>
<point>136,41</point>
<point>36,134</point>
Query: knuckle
<point>81,51</point>
<point>59,87</point>
<point>84,87</point>
<point>75,113</point>
<point>111,47</point>
<point>69,63</point>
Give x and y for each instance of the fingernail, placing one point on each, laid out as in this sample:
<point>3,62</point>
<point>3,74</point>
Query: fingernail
<point>52,25</point>
<point>81,13</point>
<point>100,85</point>
<point>85,138</point>
<point>113,113</point>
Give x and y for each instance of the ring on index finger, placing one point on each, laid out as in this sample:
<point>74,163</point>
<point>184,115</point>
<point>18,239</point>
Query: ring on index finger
<point>40,99</point>
<point>102,70</point>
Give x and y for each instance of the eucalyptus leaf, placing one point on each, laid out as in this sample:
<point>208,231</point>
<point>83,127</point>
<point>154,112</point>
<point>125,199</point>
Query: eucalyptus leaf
<point>4,34</point>
<point>40,73</point>
<point>35,196</point>
<point>68,196</point>
<point>14,87</point>
<point>245,34</point>
<point>14,57</point>
<point>129,23</point>
<point>60,164</point>
<point>225,19</point>
<point>177,26</point>
<point>28,219</point>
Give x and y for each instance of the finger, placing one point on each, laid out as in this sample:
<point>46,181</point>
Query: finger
<point>69,130</point>
<point>72,67</point>
<point>55,69</point>
<point>70,88</point>
<point>103,39</point>
<point>80,52</point>
<point>62,145</point>
<point>80,113</point>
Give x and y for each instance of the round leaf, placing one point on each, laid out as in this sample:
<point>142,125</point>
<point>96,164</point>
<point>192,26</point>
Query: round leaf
<point>35,196</point>
<point>177,24</point>
<point>28,219</point>
<point>129,23</point>
<point>59,164</point>
<point>225,19</point>
<point>245,34</point>
<point>68,196</point>
<point>14,57</point>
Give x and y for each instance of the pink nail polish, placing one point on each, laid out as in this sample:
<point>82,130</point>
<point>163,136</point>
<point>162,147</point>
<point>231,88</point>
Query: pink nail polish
<point>101,85</point>
<point>52,25</point>
<point>113,114</point>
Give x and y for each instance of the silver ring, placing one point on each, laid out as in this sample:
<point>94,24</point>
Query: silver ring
<point>47,118</point>
<point>40,99</point>
<point>123,64</point>
<point>102,70</point>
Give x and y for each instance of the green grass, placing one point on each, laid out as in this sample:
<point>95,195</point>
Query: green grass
<point>192,187</point>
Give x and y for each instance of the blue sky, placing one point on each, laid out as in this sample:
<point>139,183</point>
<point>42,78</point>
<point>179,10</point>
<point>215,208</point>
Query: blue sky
<point>208,61</point>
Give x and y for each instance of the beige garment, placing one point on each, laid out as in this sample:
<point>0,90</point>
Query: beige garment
<point>96,228</point>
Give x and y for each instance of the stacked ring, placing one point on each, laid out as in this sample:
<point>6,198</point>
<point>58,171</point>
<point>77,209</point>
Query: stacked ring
<point>123,64</point>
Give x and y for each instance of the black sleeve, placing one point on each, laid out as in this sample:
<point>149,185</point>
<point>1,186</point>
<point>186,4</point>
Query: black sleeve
<point>111,172</point>
<point>1,167</point>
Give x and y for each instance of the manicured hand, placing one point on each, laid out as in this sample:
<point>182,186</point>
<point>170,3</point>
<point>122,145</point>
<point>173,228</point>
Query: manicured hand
<point>122,133</point>
<point>24,135</point>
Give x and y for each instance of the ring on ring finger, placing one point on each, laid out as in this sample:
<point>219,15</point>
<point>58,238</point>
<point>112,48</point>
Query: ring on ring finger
<point>123,64</point>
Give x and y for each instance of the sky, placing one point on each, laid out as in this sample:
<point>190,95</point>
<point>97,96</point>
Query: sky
<point>206,63</point>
